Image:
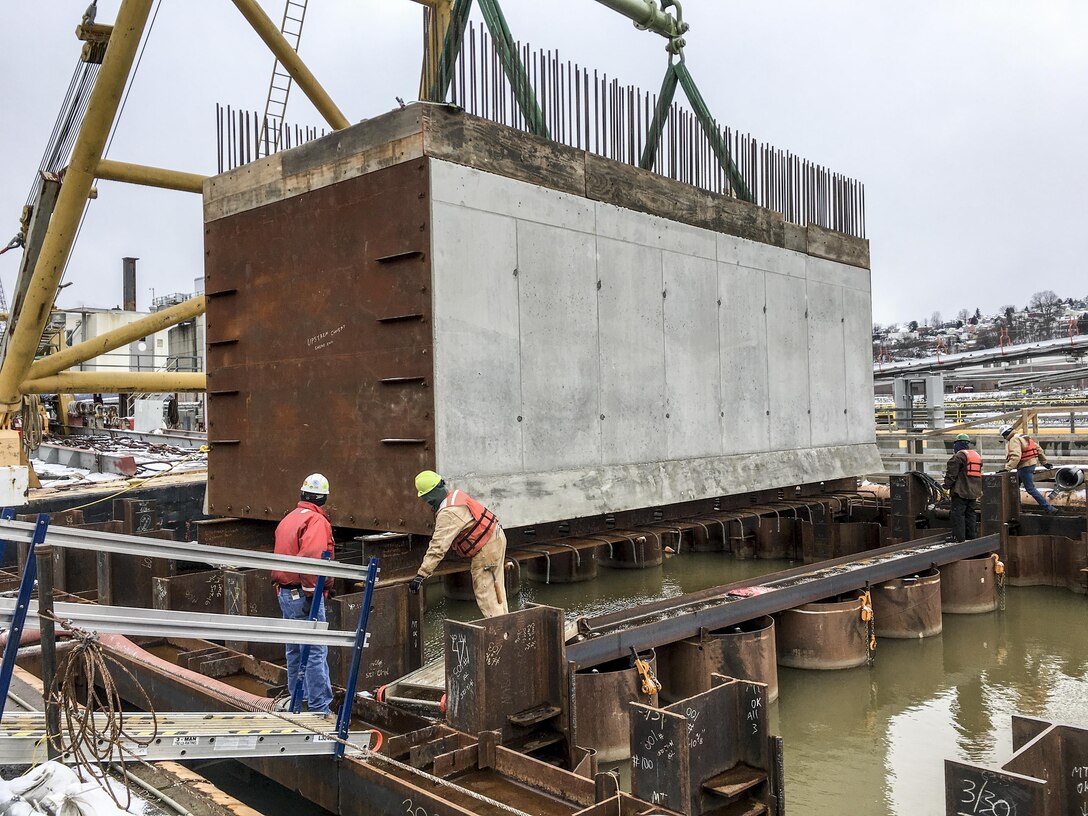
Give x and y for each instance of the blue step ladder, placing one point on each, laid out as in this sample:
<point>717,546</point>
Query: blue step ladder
<point>362,637</point>
<point>18,618</point>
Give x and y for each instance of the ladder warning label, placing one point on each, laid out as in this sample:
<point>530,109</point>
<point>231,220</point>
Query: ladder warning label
<point>236,743</point>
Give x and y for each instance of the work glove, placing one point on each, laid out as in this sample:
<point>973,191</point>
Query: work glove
<point>307,604</point>
<point>415,584</point>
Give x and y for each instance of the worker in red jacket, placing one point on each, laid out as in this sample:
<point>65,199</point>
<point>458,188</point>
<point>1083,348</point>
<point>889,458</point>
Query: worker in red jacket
<point>473,532</point>
<point>306,531</point>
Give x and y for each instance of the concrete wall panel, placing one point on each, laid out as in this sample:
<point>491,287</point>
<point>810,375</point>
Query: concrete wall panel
<point>583,331</point>
<point>787,354</point>
<point>692,367</point>
<point>857,334</point>
<point>653,231</point>
<point>743,333</point>
<point>755,255</point>
<point>477,360</point>
<point>466,187</point>
<point>632,352</point>
<point>560,396</point>
<point>821,270</point>
<point>827,364</point>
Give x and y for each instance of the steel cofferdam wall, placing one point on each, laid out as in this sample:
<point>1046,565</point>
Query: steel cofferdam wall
<point>563,335</point>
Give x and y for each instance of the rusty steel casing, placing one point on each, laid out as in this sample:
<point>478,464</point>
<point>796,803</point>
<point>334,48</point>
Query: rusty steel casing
<point>969,587</point>
<point>908,607</point>
<point>746,651</point>
<point>457,586</point>
<point>564,568</point>
<point>822,635</point>
<point>602,697</point>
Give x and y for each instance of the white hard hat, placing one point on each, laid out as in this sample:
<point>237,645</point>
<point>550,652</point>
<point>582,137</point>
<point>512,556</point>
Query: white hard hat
<point>317,484</point>
<point>1006,430</point>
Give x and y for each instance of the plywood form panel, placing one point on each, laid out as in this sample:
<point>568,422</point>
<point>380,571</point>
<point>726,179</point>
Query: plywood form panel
<point>743,332</point>
<point>313,301</point>
<point>632,352</point>
<point>692,365</point>
<point>827,364</point>
<point>787,352</point>
<point>557,282</point>
<point>476,342</point>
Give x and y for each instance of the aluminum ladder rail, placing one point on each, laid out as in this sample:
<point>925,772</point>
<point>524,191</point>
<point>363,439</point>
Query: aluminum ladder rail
<point>189,735</point>
<point>74,538</point>
<point>129,620</point>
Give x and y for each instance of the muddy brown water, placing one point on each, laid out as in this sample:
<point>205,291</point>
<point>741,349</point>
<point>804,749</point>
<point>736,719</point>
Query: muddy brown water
<point>873,740</point>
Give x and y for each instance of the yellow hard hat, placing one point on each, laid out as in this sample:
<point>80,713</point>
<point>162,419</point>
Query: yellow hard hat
<point>426,481</point>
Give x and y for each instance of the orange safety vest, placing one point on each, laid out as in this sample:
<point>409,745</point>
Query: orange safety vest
<point>475,536</point>
<point>974,463</point>
<point>1030,450</point>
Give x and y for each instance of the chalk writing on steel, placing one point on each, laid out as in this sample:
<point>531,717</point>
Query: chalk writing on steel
<point>526,638</point>
<point>981,800</point>
<point>325,338</point>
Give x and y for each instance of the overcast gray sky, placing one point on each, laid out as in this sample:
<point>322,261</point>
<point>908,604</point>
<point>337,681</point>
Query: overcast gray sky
<point>964,118</point>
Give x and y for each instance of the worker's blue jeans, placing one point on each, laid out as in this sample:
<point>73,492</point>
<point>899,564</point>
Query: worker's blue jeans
<point>1026,475</point>
<point>316,686</point>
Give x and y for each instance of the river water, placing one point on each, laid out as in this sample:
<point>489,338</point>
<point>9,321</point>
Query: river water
<point>873,740</point>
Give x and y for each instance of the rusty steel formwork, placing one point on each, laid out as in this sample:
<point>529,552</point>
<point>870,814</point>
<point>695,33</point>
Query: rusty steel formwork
<point>509,674</point>
<point>710,753</point>
<point>353,344</point>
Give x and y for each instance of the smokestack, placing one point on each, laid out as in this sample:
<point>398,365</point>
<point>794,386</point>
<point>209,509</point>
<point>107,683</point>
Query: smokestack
<point>129,283</point>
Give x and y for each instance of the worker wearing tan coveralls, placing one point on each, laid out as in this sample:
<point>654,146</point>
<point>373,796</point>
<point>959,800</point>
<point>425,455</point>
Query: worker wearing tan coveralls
<point>473,532</point>
<point>1022,454</point>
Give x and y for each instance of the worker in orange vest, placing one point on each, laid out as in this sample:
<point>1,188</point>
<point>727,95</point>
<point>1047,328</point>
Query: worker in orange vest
<point>963,481</point>
<point>1022,454</point>
<point>473,532</point>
